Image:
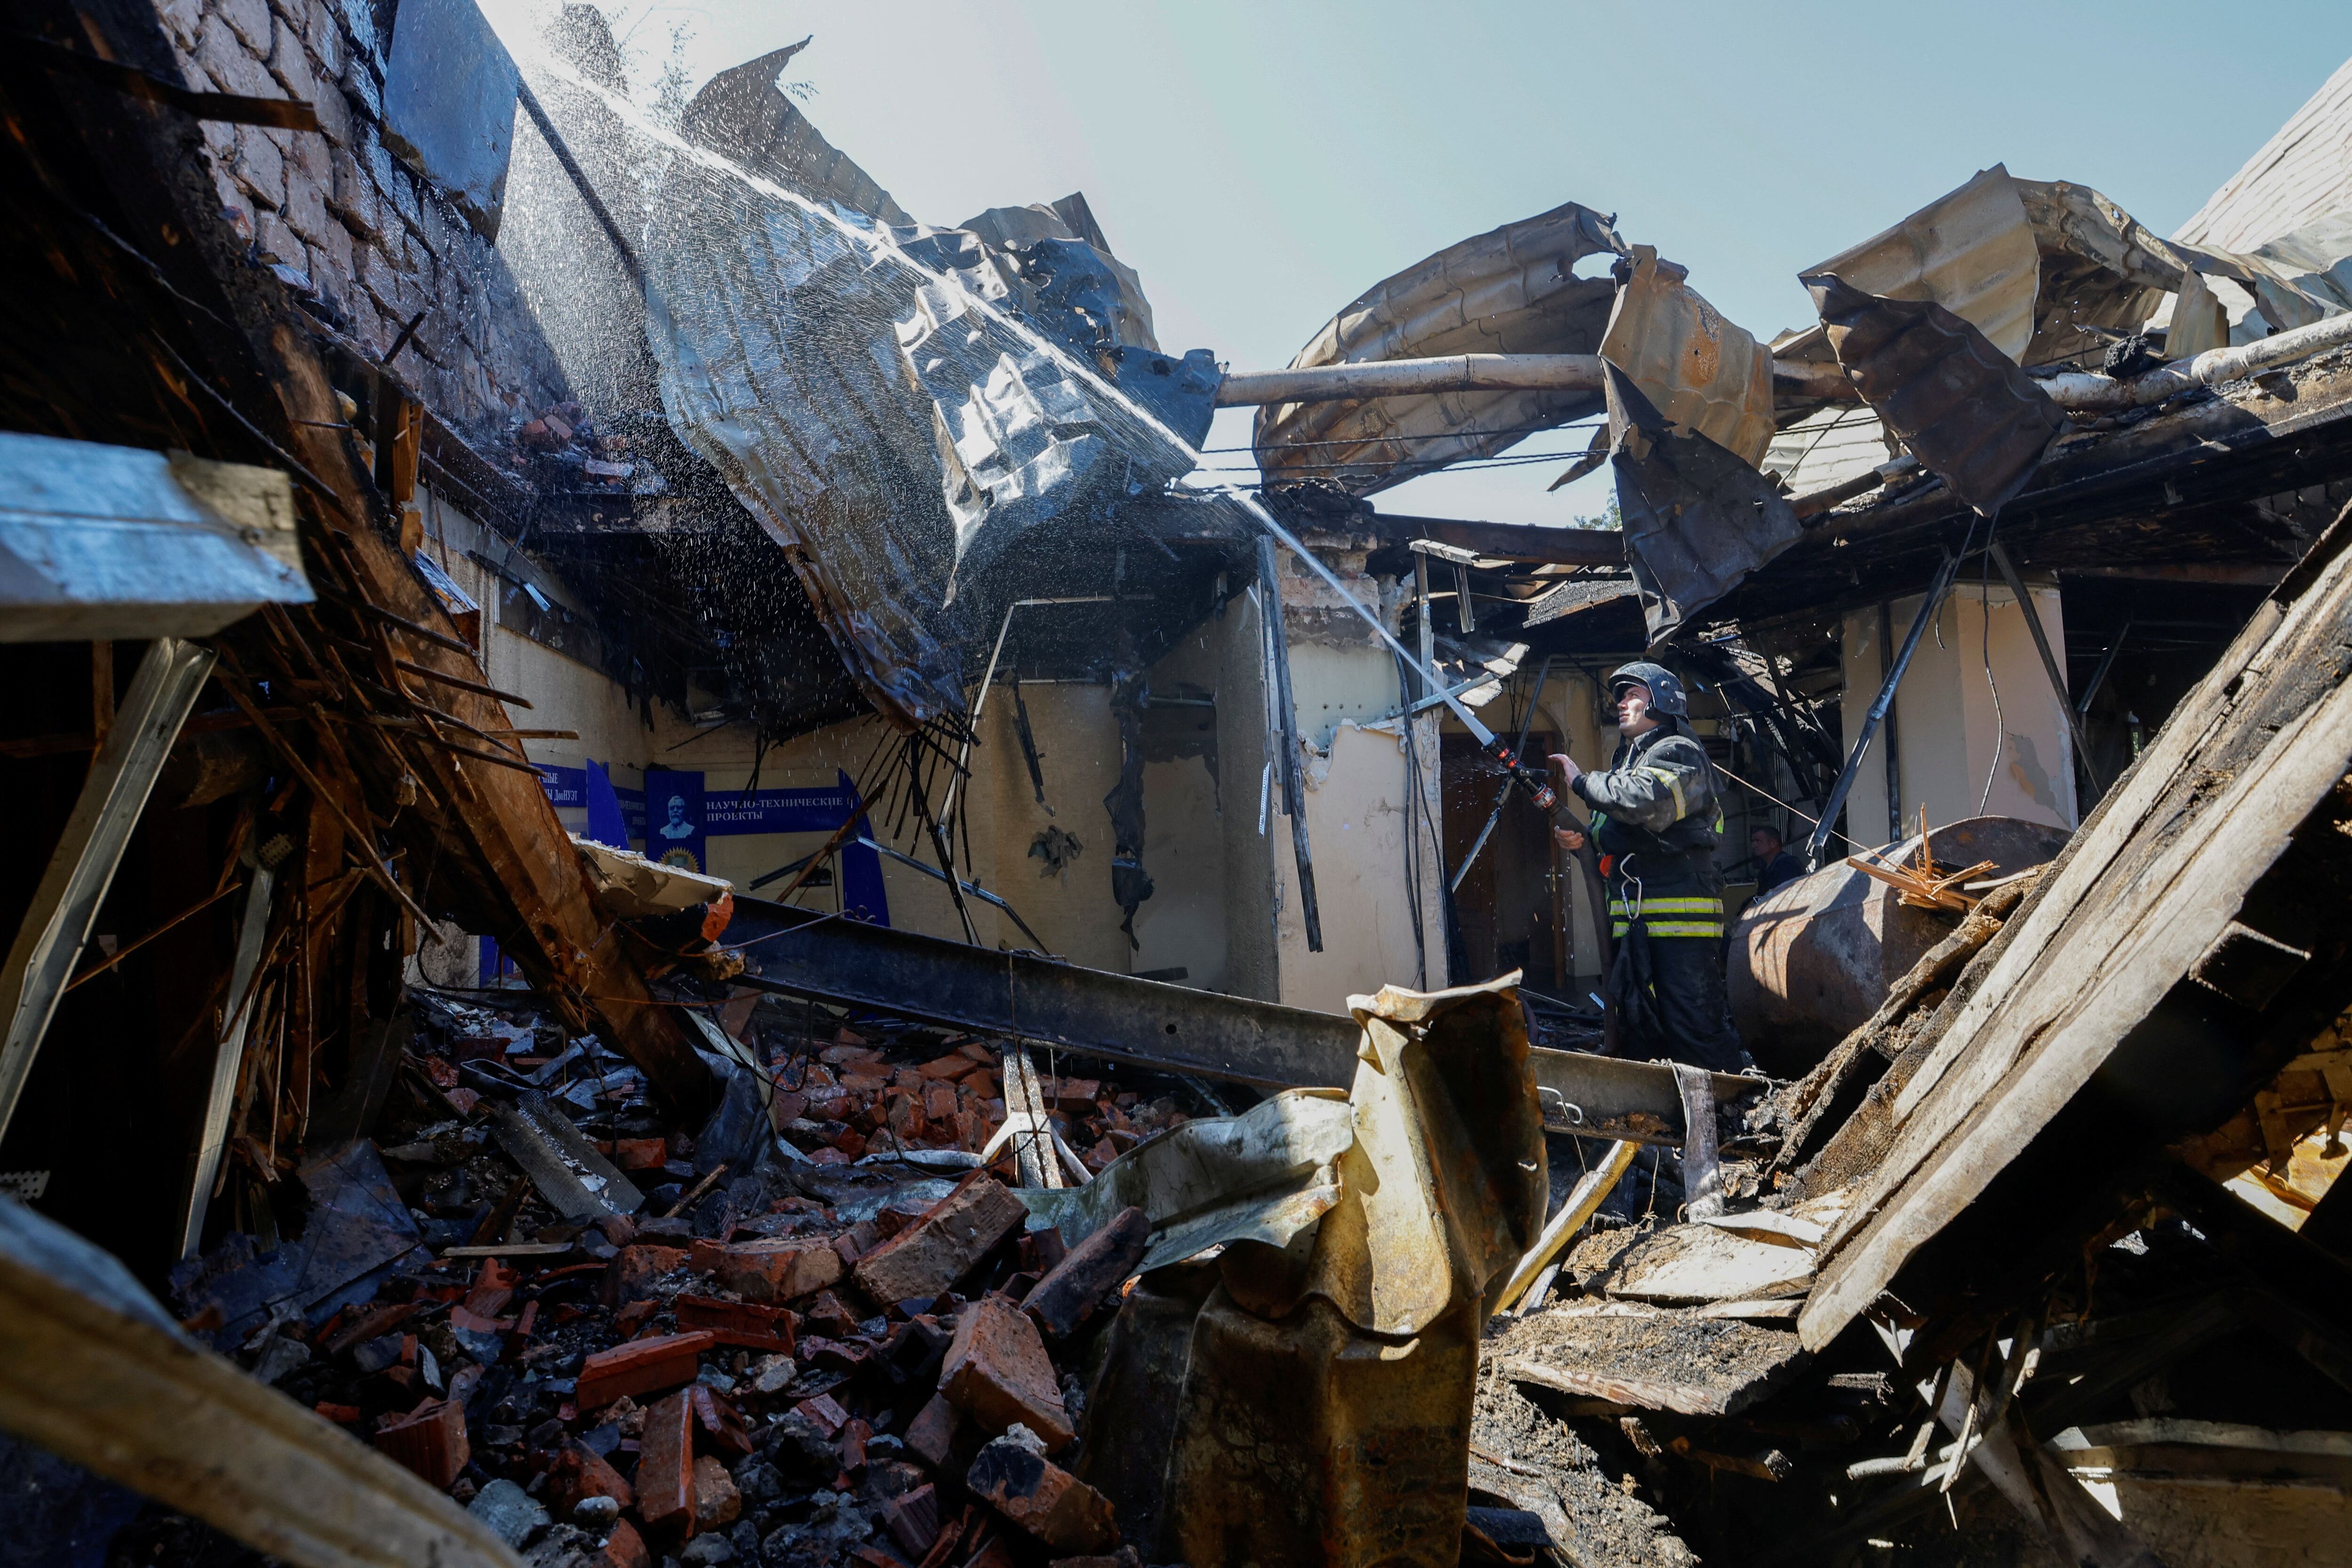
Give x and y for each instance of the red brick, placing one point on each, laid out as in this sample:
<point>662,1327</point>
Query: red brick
<point>1043,1498</point>
<point>1069,1294</point>
<point>666,1467</point>
<point>429,1440</point>
<point>775,1268</point>
<point>947,1068</point>
<point>744,1324</point>
<point>825,1412</point>
<point>640,1154</point>
<point>630,1276</point>
<point>340,1415</point>
<point>493,1288</point>
<point>939,1102</point>
<point>633,1317</point>
<point>720,1427</point>
<point>581,1472</point>
<point>625,1548</point>
<point>914,1520</point>
<point>932,1433</point>
<point>827,1315</point>
<point>942,1246</point>
<point>641,1366</point>
<point>997,1372</point>
<point>368,1326</point>
<point>716,1503</point>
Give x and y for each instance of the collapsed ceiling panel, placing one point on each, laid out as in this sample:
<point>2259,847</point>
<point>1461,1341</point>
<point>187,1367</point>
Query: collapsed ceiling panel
<point>1513,291</point>
<point>873,396</point>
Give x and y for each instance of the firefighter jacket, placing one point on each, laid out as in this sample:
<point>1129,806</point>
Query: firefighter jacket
<point>1657,818</point>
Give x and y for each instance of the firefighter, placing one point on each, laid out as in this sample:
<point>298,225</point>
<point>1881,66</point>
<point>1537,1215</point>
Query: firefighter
<point>1656,819</point>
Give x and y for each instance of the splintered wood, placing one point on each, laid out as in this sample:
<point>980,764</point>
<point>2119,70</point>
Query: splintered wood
<point>1922,884</point>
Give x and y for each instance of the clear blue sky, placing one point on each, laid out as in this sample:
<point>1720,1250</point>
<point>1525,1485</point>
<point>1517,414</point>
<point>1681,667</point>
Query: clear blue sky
<point>1262,163</point>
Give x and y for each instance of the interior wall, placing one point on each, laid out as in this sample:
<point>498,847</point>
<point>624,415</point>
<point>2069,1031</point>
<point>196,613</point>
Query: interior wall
<point>1358,802</point>
<point>1954,726</point>
<point>1186,792</point>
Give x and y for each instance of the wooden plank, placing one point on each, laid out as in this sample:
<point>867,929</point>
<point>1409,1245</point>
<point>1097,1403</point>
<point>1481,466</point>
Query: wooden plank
<point>1641,1392</point>
<point>528,885</point>
<point>2144,896</point>
<point>1701,1263</point>
<point>92,1370</point>
<point>57,925</point>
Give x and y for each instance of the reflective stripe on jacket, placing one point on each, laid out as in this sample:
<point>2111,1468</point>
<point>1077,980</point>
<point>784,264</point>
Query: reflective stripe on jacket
<point>1670,915</point>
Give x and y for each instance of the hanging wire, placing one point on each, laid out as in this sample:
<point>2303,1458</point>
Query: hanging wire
<point>2000,725</point>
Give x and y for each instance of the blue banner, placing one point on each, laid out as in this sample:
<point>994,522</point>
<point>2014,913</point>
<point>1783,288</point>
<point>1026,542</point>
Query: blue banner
<point>678,800</point>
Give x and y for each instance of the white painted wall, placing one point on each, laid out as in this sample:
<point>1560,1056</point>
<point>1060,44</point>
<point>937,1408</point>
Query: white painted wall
<point>1975,702</point>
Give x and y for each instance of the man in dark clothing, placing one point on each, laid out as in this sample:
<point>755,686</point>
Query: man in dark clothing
<point>1774,864</point>
<point>1657,821</point>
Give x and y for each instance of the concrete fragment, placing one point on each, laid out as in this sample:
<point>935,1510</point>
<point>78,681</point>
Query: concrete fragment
<point>997,1372</point>
<point>716,1503</point>
<point>941,1247</point>
<point>1071,1292</point>
<point>781,1268</point>
<point>511,1513</point>
<point>640,1366</point>
<point>1061,1510</point>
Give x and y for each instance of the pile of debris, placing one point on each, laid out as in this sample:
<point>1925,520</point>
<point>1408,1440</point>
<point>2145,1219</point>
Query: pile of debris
<point>795,1351</point>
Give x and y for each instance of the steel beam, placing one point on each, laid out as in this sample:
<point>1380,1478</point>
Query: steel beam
<point>1171,1028</point>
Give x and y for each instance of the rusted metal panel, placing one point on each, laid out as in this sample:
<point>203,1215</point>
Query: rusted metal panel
<point>1513,291</point>
<point>1698,519</point>
<point>1970,251</point>
<point>1963,408</point>
<point>1810,963</point>
<point>1700,370</point>
<point>1318,1397</point>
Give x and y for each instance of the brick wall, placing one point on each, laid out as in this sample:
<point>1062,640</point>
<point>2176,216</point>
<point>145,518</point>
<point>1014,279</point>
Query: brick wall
<point>376,243</point>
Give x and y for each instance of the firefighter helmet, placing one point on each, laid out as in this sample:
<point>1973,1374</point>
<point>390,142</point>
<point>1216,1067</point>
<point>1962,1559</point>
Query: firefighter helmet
<point>1666,694</point>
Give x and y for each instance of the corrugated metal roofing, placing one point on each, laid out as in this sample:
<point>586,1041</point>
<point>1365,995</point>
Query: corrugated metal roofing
<point>1970,251</point>
<point>2302,174</point>
<point>1701,370</point>
<point>1511,291</point>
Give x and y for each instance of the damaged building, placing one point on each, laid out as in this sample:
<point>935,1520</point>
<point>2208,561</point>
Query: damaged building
<point>691,897</point>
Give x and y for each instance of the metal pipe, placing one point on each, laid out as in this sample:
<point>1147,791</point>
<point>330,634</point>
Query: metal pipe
<point>563,151</point>
<point>2099,676</point>
<point>2081,390</point>
<point>1539,788</point>
<point>2049,660</point>
<point>1293,798</point>
<point>1502,796</point>
<point>1893,734</point>
<point>1878,707</point>
<point>1473,373</point>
